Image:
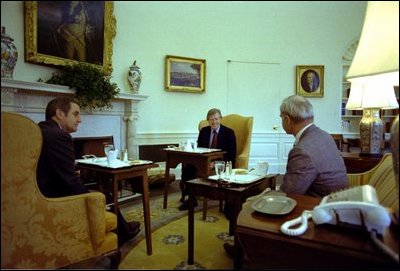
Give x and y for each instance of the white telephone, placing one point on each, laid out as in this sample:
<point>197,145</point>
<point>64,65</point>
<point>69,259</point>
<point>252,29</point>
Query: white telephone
<point>356,206</point>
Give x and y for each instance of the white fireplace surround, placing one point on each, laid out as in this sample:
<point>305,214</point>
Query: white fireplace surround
<point>31,98</point>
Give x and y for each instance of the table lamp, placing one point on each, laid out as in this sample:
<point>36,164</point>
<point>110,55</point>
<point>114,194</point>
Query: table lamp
<point>374,72</point>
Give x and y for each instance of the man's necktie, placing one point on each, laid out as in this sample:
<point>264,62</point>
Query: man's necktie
<point>214,140</point>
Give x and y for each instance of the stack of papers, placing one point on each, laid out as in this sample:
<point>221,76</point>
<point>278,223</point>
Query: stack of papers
<point>198,150</point>
<point>102,162</point>
<point>238,179</point>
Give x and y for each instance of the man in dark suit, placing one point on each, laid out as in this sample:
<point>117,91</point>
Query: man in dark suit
<point>56,174</point>
<point>225,140</point>
<point>315,166</point>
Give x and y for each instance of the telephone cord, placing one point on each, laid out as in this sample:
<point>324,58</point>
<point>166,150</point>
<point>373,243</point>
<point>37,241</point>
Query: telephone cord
<point>303,219</point>
<point>383,247</point>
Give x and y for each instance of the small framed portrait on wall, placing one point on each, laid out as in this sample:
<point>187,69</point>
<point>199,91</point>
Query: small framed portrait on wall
<point>310,80</point>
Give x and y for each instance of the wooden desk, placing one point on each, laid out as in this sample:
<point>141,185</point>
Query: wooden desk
<point>262,245</point>
<point>104,174</point>
<point>357,164</point>
<point>201,161</point>
<point>235,195</point>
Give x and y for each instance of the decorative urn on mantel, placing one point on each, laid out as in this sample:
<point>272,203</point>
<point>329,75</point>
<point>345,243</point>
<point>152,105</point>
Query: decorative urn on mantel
<point>9,55</point>
<point>134,77</point>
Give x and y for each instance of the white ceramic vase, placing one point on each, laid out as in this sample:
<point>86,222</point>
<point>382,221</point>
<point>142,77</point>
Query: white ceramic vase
<point>134,77</point>
<point>9,55</point>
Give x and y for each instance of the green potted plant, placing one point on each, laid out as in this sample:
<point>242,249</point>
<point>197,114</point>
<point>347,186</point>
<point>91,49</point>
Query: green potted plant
<point>93,86</point>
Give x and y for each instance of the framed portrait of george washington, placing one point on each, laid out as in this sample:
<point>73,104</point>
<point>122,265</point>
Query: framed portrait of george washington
<point>63,32</point>
<point>184,74</point>
<point>310,80</point>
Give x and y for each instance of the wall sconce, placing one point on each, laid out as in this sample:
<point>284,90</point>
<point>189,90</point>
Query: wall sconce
<point>374,72</point>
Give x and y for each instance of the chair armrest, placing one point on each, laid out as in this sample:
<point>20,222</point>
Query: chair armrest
<point>96,212</point>
<point>356,179</point>
<point>67,219</point>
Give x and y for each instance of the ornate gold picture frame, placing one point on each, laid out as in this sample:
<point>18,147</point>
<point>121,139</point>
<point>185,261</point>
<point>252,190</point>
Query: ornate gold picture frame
<point>310,80</point>
<point>63,32</point>
<point>185,74</point>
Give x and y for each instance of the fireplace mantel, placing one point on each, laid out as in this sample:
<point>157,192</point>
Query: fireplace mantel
<point>31,98</point>
<point>14,86</point>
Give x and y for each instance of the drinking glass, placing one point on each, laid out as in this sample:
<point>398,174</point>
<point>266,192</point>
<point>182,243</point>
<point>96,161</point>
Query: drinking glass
<point>219,168</point>
<point>108,147</point>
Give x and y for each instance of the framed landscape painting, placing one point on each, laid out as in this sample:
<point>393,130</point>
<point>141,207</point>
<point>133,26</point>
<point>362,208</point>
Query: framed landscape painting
<point>185,74</point>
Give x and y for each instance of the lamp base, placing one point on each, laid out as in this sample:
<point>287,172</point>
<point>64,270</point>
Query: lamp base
<point>371,133</point>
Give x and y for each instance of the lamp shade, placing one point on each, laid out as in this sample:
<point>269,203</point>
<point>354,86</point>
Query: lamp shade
<point>378,49</point>
<point>372,95</point>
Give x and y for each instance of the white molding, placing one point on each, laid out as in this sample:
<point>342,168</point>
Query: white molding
<point>11,85</point>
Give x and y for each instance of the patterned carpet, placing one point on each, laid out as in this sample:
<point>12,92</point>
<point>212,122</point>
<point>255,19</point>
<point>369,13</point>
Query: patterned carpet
<point>169,238</point>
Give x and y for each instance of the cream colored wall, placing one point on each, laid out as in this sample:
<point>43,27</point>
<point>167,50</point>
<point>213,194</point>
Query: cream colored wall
<point>288,33</point>
<point>283,33</point>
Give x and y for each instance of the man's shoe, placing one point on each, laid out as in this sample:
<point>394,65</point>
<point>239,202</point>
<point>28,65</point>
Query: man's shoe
<point>133,226</point>
<point>124,238</point>
<point>230,249</point>
<point>132,229</point>
<point>185,205</point>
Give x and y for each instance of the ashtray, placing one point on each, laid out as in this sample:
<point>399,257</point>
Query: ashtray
<point>274,205</point>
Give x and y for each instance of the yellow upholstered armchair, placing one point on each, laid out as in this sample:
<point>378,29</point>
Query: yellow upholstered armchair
<point>243,127</point>
<point>381,177</point>
<point>39,232</point>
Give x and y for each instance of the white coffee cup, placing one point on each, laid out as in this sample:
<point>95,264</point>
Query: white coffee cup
<point>262,168</point>
<point>188,145</point>
<point>112,157</point>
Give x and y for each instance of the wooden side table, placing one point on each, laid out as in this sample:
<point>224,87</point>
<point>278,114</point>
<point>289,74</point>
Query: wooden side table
<point>117,175</point>
<point>261,244</point>
<point>235,195</point>
<point>201,161</point>
<point>358,164</point>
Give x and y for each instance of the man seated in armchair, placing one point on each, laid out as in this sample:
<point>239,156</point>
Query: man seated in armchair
<point>56,175</point>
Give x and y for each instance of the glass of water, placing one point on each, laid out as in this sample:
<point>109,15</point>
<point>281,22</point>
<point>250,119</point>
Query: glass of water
<point>219,167</point>
<point>107,148</point>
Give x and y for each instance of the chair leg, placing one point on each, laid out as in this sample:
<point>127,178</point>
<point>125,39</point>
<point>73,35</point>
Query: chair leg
<point>115,258</point>
<point>205,206</point>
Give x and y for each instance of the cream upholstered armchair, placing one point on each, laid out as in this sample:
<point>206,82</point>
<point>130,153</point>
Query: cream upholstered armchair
<point>243,127</point>
<point>381,177</point>
<point>39,232</point>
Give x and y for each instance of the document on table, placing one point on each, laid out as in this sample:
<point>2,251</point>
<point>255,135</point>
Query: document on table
<point>238,179</point>
<point>197,150</point>
<point>102,162</point>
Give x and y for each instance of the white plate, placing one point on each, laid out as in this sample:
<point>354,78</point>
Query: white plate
<point>274,205</point>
